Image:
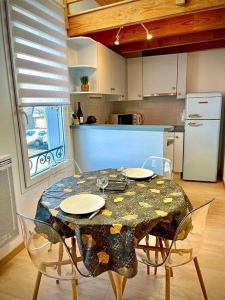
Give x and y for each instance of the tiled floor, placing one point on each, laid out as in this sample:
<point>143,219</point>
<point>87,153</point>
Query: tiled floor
<point>18,276</point>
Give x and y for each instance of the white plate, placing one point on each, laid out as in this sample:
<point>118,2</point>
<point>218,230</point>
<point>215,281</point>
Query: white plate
<point>82,204</point>
<point>137,173</point>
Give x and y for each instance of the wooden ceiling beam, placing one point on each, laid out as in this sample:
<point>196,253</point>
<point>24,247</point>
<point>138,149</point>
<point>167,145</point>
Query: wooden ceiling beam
<point>191,23</point>
<point>136,11</point>
<point>179,49</point>
<point>172,41</point>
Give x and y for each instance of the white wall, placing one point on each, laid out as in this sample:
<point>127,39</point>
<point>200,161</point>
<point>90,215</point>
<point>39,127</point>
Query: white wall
<point>206,73</point>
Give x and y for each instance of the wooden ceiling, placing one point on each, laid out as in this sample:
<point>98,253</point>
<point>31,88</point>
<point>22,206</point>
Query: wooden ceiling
<point>106,2</point>
<point>194,27</point>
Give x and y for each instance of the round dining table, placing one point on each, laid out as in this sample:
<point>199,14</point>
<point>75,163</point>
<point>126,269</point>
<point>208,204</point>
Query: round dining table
<point>107,241</point>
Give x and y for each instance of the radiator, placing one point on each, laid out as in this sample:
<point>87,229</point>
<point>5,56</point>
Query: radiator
<point>8,219</point>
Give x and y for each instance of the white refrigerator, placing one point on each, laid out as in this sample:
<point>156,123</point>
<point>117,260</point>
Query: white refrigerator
<point>202,136</point>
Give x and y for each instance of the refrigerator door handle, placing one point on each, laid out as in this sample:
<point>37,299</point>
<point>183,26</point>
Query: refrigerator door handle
<point>194,124</point>
<point>195,116</point>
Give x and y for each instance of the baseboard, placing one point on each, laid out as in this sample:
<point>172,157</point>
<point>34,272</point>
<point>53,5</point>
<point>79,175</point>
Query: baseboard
<point>12,254</point>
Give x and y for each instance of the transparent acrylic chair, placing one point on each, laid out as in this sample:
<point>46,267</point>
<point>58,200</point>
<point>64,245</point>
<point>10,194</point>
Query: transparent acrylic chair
<point>58,263</point>
<point>159,165</point>
<point>184,247</point>
<point>163,167</point>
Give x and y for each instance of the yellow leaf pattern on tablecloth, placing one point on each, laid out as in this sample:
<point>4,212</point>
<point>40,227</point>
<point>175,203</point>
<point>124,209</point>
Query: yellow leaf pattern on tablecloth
<point>106,212</point>
<point>72,226</point>
<point>103,257</point>
<point>67,190</point>
<point>91,177</point>
<point>54,212</point>
<point>116,228</point>
<point>159,182</point>
<point>141,185</point>
<point>104,172</point>
<point>81,181</point>
<point>144,204</point>
<point>176,194</point>
<point>118,199</point>
<point>77,176</point>
<point>168,200</point>
<point>113,175</point>
<point>155,191</point>
<point>130,217</point>
<point>161,213</point>
<point>130,193</point>
<point>88,240</point>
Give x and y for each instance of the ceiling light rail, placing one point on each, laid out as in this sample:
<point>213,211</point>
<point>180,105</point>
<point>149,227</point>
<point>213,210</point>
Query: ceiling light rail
<point>148,34</point>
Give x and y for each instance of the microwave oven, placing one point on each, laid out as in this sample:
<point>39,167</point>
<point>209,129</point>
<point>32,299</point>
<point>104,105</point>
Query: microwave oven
<point>126,119</point>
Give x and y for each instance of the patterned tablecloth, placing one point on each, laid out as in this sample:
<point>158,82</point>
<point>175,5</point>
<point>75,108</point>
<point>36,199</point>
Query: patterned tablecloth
<point>107,241</point>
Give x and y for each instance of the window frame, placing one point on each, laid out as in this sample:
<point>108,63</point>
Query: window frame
<point>32,180</point>
<point>26,180</point>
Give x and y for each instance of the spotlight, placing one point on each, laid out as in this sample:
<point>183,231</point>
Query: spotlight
<point>117,40</point>
<point>148,34</point>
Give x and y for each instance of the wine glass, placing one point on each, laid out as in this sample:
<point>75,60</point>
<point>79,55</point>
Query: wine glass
<point>102,183</point>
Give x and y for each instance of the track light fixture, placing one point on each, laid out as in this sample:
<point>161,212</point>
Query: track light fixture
<point>117,40</point>
<point>148,34</point>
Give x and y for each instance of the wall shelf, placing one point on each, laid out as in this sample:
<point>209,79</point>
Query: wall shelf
<point>76,67</point>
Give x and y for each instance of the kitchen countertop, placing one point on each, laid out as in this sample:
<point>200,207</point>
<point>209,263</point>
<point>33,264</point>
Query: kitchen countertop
<point>125,127</point>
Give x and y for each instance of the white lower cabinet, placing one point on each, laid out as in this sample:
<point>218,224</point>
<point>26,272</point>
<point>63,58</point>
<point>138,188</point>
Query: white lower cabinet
<point>178,152</point>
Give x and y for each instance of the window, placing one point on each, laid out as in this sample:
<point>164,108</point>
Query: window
<point>39,59</point>
<point>44,137</point>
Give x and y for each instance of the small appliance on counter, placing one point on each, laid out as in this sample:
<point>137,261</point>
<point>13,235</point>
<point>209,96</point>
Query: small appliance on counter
<point>91,120</point>
<point>126,119</point>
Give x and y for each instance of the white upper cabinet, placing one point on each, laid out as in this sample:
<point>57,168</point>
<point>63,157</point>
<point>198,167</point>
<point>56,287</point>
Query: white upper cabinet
<point>112,74</point>
<point>160,75</point>
<point>104,68</point>
<point>134,78</point>
<point>181,75</point>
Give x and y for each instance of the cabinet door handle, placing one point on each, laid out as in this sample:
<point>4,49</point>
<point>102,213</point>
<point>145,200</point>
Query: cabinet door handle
<point>173,87</point>
<point>139,95</point>
<point>193,124</point>
<point>195,116</point>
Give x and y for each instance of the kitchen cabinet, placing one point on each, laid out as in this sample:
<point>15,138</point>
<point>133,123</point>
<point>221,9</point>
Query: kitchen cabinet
<point>181,75</point>
<point>104,68</point>
<point>134,78</point>
<point>178,152</point>
<point>160,75</point>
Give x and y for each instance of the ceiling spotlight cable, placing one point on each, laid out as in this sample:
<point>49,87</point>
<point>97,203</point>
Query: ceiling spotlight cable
<point>148,34</point>
<point>117,40</point>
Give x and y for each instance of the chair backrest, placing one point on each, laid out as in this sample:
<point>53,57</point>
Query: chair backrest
<point>188,238</point>
<point>159,165</point>
<point>46,248</point>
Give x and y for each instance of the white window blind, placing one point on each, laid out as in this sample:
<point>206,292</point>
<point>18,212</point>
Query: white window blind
<point>39,52</point>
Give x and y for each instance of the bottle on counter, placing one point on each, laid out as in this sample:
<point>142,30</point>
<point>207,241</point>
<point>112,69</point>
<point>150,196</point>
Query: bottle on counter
<point>80,115</point>
<point>75,119</point>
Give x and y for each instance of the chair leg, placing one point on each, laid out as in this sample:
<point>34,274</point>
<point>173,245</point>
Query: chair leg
<point>74,289</point>
<point>37,284</point>
<point>156,254</point>
<point>147,252</point>
<point>167,244</point>
<point>200,278</point>
<point>110,274</point>
<point>167,286</point>
<point>60,258</point>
